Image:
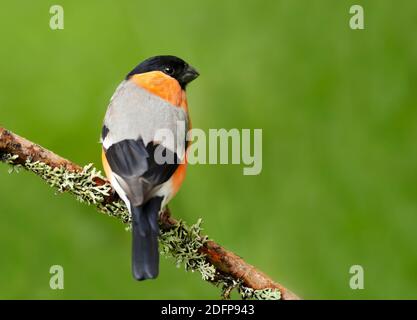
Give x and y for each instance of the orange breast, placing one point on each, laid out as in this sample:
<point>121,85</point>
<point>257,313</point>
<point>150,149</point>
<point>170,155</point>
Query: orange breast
<point>178,177</point>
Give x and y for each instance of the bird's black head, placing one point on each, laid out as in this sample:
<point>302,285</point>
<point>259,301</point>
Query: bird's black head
<point>170,65</point>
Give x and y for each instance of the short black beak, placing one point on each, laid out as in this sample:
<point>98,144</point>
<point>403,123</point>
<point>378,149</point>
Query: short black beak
<point>189,75</point>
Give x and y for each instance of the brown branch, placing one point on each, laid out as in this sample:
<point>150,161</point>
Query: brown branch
<point>226,262</point>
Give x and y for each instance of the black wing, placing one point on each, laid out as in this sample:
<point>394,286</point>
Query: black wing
<point>135,164</point>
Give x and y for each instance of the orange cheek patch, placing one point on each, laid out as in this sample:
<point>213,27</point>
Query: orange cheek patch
<point>162,85</point>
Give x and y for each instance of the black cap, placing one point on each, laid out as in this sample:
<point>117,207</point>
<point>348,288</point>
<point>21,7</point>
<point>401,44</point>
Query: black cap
<point>170,65</point>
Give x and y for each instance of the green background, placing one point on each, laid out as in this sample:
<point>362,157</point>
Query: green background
<point>339,118</point>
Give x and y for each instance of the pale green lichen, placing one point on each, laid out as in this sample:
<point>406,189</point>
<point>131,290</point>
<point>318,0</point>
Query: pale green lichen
<point>228,284</point>
<point>264,294</point>
<point>182,242</point>
<point>116,209</point>
<point>81,184</point>
<point>10,159</point>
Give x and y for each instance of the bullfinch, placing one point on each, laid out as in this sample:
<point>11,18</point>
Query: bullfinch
<point>151,98</point>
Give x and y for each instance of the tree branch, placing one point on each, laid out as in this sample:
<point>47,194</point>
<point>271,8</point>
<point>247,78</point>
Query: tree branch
<point>216,264</point>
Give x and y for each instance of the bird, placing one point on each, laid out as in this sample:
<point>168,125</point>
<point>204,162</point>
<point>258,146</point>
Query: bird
<point>151,98</point>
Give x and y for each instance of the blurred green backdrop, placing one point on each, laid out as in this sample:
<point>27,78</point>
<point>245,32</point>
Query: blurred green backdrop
<point>339,118</point>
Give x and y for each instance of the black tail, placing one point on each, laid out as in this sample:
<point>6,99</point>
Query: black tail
<point>145,231</point>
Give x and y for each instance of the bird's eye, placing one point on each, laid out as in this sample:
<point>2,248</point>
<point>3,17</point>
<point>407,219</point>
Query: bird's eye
<point>169,70</point>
